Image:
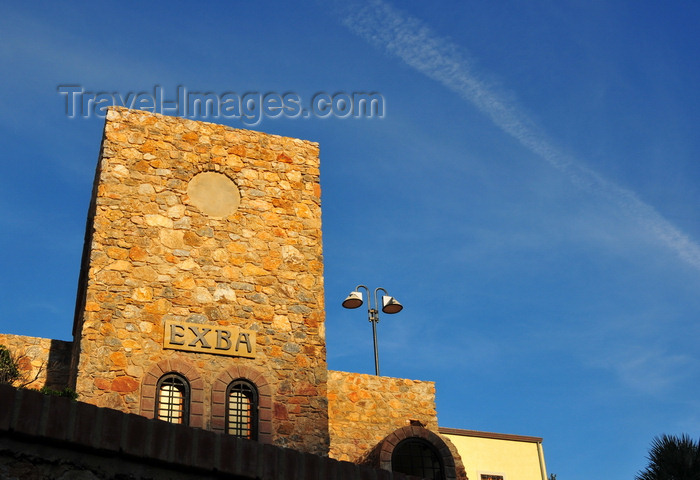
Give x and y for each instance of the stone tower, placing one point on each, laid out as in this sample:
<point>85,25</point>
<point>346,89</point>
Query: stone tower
<point>203,261</point>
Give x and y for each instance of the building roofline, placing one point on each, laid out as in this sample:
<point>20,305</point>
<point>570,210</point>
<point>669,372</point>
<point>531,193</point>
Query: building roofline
<point>495,436</point>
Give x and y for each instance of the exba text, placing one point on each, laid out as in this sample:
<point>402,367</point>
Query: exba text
<point>216,339</point>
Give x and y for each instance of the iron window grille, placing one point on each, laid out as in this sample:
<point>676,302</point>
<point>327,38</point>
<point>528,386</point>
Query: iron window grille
<point>173,399</point>
<point>418,457</point>
<point>242,409</point>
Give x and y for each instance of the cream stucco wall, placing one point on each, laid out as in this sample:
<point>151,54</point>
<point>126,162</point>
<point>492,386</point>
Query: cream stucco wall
<point>512,456</point>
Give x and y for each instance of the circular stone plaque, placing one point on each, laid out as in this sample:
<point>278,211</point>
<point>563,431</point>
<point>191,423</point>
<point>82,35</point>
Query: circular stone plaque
<point>214,194</point>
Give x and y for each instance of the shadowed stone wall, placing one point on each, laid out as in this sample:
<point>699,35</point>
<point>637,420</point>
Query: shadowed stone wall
<point>50,437</point>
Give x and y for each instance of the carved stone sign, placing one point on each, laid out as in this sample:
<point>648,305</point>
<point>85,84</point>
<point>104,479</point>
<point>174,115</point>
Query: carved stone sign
<point>215,339</point>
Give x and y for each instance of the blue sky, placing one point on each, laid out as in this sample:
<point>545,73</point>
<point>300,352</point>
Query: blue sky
<point>530,195</point>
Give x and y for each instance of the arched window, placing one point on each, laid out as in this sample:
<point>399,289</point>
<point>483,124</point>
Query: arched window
<point>173,399</point>
<point>242,409</point>
<point>418,457</point>
<point>227,417</point>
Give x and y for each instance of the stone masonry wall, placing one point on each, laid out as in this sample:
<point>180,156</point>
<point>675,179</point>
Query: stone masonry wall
<point>364,409</point>
<point>43,362</point>
<point>154,256</point>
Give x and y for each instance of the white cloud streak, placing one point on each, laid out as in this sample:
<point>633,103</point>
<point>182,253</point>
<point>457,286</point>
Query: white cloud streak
<point>649,369</point>
<point>440,59</point>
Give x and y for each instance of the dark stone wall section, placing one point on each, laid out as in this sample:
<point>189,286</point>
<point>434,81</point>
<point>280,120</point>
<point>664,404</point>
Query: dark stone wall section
<point>53,437</point>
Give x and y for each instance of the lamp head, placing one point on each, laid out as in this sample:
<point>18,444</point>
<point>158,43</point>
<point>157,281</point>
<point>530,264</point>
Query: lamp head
<point>390,305</point>
<point>354,300</point>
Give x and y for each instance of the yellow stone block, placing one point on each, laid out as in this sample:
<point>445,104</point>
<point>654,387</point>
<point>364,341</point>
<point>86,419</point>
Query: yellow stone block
<point>184,281</point>
<point>120,265</point>
<point>156,220</point>
<point>92,307</point>
<point>145,273</point>
<point>143,294</point>
<point>172,238</point>
<point>250,270</point>
<point>160,307</point>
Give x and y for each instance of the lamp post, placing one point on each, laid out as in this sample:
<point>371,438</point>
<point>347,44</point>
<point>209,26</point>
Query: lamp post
<point>389,305</point>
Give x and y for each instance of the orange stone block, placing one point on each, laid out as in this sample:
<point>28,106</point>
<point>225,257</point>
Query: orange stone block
<point>107,329</point>
<point>159,307</point>
<point>137,254</point>
<point>280,412</point>
<point>237,150</point>
<point>264,313</point>
<point>118,359</point>
<point>308,390</point>
<point>103,383</point>
<point>124,384</point>
<point>271,262</point>
<point>275,351</point>
<point>252,270</point>
<point>186,282</point>
<point>235,247</point>
<point>92,307</point>
<point>313,320</point>
<point>142,166</point>
<point>301,360</point>
<point>230,272</point>
<point>25,364</point>
<point>148,147</point>
<point>190,137</point>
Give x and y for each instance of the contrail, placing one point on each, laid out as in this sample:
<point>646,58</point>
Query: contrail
<point>416,44</point>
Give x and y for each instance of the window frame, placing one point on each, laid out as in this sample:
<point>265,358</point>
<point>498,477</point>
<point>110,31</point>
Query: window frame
<point>175,378</point>
<point>427,445</point>
<point>254,402</point>
<point>491,476</point>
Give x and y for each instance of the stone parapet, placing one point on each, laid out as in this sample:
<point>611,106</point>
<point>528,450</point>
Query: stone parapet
<point>52,437</point>
<point>364,409</point>
<point>42,361</point>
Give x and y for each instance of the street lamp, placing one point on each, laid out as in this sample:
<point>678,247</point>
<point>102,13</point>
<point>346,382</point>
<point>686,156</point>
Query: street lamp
<point>389,305</point>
